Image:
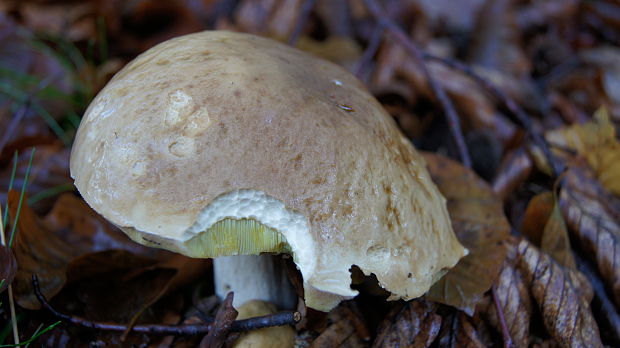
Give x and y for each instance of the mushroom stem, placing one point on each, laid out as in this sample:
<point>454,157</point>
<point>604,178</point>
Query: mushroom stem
<point>254,277</point>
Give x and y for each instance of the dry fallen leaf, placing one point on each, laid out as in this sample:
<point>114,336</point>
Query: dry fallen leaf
<point>563,297</point>
<point>38,251</point>
<point>593,214</point>
<point>480,225</point>
<point>458,331</point>
<point>46,247</point>
<point>544,225</point>
<point>514,299</point>
<point>341,332</point>
<point>594,141</point>
<point>512,172</point>
<point>8,267</point>
<point>394,64</point>
<point>414,325</point>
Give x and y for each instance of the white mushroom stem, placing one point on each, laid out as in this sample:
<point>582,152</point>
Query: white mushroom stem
<point>254,277</point>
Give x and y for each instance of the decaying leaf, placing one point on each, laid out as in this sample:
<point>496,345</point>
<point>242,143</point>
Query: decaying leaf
<point>458,331</point>
<point>594,141</point>
<point>563,297</point>
<point>342,331</point>
<point>480,225</point>
<point>8,267</point>
<point>514,299</point>
<point>46,246</point>
<point>544,225</point>
<point>513,171</point>
<point>393,64</point>
<point>38,251</point>
<point>119,293</point>
<point>593,214</point>
<point>414,325</point>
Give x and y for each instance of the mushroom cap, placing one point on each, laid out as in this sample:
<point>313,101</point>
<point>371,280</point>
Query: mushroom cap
<point>217,125</point>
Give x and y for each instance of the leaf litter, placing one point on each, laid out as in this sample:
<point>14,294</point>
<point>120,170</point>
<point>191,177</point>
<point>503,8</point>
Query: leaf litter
<point>557,61</point>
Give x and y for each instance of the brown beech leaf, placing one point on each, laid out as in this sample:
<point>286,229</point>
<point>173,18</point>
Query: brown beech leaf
<point>414,325</point>
<point>512,172</point>
<point>514,299</point>
<point>45,247</point>
<point>342,332</point>
<point>593,214</point>
<point>83,228</point>
<point>38,251</point>
<point>480,225</point>
<point>457,330</point>
<point>8,267</point>
<point>544,225</point>
<point>394,64</point>
<point>563,296</point>
<point>120,293</point>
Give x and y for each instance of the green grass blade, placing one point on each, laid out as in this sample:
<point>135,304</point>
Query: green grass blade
<point>11,180</point>
<point>34,337</point>
<point>21,198</point>
<point>50,192</point>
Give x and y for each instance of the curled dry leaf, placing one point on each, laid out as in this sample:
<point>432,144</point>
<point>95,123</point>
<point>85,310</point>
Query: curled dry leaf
<point>512,172</point>
<point>414,325</point>
<point>480,225</point>
<point>514,298</point>
<point>544,225</point>
<point>563,296</point>
<point>593,214</point>
<point>457,330</point>
<point>8,267</point>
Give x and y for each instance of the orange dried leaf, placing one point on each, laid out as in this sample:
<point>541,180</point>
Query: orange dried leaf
<point>536,215</point>
<point>593,214</point>
<point>563,297</point>
<point>544,225</point>
<point>480,225</point>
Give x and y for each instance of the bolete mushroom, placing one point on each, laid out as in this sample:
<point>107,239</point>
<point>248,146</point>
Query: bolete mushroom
<point>220,143</point>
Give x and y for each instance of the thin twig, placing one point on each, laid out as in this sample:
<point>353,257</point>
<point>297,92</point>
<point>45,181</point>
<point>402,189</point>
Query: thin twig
<point>502,320</point>
<point>220,329</point>
<point>371,50</point>
<point>304,13</point>
<point>278,319</point>
<point>508,102</point>
<point>412,48</point>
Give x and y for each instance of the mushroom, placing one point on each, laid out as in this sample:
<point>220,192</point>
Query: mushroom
<point>220,143</point>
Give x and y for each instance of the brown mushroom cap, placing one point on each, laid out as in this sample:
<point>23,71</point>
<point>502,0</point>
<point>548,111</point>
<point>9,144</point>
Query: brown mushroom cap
<point>245,126</point>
